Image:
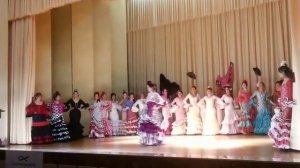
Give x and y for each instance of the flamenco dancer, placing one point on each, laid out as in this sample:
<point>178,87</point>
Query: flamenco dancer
<point>230,122</point>
<point>179,125</point>
<point>140,106</point>
<point>114,115</point>
<point>263,118</point>
<point>105,107</point>
<point>281,121</point>
<point>194,122</point>
<point>40,129</point>
<point>166,125</point>
<point>75,105</point>
<point>149,130</point>
<point>210,122</point>
<point>123,114</point>
<point>100,126</point>
<point>132,119</point>
<point>59,129</point>
<point>243,99</point>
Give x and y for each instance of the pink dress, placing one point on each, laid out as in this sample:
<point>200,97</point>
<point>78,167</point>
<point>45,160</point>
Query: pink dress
<point>166,125</point>
<point>179,125</point>
<point>281,121</point>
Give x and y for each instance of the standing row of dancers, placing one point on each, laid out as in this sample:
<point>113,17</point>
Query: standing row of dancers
<point>153,115</point>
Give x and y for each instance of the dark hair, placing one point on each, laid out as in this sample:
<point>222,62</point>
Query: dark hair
<point>112,94</point>
<point>179,91</point>
<point>284,69</point>
<point>124,92</point>
<point>96,93</point>
<point>75,91</point>
<point>245,82</point>
<point>102,94</point>
<point>36,95</point>
<point>150,84</point>
<point>131,93</point>
<point>195,87</point>
<point>209,88</point>
<point>143,93</point>
<point>55,95</point>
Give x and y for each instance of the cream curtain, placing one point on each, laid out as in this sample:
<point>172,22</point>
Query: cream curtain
<point>254,36</point>
<point>151,13</point>
<point>21,8</point>
<point>22,78</point>
<point>22,61</point>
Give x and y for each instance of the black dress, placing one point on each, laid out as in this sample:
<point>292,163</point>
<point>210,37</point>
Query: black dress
<point>75,127</point>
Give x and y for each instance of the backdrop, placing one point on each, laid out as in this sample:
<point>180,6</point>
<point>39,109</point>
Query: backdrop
<point>176,36</point>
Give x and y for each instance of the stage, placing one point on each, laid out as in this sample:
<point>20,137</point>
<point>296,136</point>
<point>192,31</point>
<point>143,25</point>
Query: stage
<point>177,151</point>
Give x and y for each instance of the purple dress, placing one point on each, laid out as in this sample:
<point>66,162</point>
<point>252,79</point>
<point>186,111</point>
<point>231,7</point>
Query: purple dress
<point>150,132</point>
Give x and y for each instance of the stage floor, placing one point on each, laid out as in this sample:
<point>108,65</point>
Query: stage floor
<point>237,147</point>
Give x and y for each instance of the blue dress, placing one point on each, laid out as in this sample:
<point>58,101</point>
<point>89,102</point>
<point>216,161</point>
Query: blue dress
<point>263,119</point>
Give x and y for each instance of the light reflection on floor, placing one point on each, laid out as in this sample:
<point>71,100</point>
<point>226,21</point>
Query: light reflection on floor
<point>213,147</point>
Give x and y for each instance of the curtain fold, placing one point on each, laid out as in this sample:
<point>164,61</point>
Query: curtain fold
<point>150,13</point>
<point>22,61</point>
<point>19,9</point>
<point>249,37</point>
<point>22,78</point>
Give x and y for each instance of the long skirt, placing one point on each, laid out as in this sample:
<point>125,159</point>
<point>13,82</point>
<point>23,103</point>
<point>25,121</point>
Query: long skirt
<point>41,135</point>
<point>59,129</point>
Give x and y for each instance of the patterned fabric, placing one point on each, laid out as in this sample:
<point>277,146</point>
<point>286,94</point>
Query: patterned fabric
<point>58,127</point>
<point>132,118</point>
<point>247,117</point>
<point>281,121</point>
<point>149,128</point>
<point>100,126</point>
<point>263,119</point>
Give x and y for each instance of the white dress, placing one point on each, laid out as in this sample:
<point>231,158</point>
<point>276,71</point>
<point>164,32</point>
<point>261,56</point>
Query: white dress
<point>166,116</point>
<point>210,123</point>
<point>114,117</point>
<point>230,122</point>
<point>194,122</point>
<point>140,106</point>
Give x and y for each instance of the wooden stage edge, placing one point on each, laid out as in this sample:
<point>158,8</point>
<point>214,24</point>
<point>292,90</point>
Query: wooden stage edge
<point>177,151</point>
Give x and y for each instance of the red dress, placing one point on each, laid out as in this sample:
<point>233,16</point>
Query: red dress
<point>248,114</point>
<point>40,129</point>
<point>281,121</point>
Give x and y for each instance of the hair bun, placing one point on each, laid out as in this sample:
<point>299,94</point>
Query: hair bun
<point>284,63</point>
<point>149,83</point>
<point>245,82</point>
